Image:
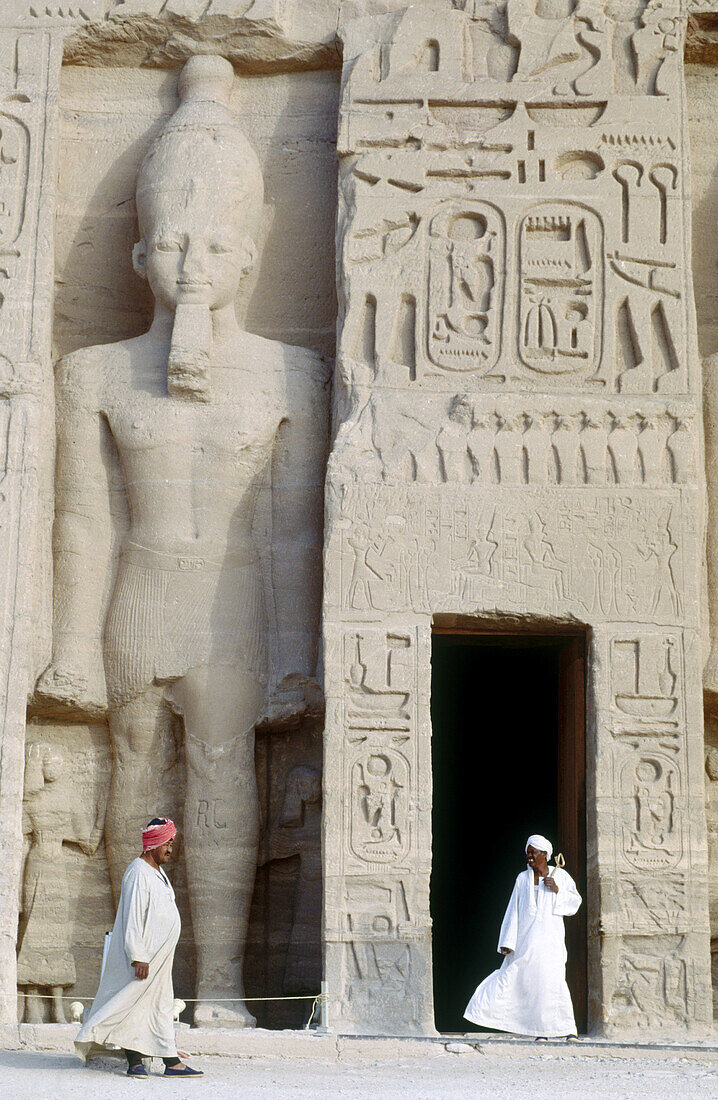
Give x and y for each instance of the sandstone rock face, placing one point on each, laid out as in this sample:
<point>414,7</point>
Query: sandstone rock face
<point>518,398</point>
<point>517,440</point>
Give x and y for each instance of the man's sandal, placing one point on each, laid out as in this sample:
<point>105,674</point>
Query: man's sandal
<point>137,1071</point>
<point>186,1071</point>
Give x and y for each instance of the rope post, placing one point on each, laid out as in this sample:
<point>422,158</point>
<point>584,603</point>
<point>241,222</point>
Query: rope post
<point>324,1010</point>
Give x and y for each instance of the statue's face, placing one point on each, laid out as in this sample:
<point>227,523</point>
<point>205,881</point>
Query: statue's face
<point>195,250</point>
<point>198,210</point>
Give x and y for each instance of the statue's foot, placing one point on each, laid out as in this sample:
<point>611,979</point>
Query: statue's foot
<point>223,1014</point>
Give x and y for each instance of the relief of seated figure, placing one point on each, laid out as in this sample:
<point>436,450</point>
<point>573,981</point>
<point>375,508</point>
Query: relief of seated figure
<point>189,424</point>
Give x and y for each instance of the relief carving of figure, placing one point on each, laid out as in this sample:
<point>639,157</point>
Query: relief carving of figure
<point>187,425</point>
<point>297,832</point>
<point>51,819</point>
<point>561,37</point>
<point>452,441</point>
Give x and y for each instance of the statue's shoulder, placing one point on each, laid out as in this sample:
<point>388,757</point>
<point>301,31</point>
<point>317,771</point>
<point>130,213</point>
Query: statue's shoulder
<point>304,373</point>
<point>299,376</point>
<point>85,370</point>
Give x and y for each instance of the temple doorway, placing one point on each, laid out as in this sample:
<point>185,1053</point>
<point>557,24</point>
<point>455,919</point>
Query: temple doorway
<point>508,748</point>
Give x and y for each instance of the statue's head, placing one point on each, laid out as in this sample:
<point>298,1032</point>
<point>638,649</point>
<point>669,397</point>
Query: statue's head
<point>461,410</point>
<point>199,195</point>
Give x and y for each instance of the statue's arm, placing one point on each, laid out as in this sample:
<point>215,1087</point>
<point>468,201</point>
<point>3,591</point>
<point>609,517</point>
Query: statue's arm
<point>298,473</point>
<point>82,540</point>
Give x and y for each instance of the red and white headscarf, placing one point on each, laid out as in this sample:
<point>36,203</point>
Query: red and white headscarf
<point>154,836</point>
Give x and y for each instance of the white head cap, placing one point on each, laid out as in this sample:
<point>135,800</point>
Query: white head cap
<point>540,843</point>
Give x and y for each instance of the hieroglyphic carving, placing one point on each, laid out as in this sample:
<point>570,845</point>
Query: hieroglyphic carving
<point>379,674</point>
<point>597,556</point>
<point>655,985</point>
<point>465,295</point>
<point>655,903</point>
<point>375,941</point>
<point>379,816</point>
<point>467,440</point>
<point>378,961</point>
<point>561,289</point>
<point>558,476</point>
<point>379,722</point>
<point>535,125</point>
<point>646,673</point>
<point>652,819</point>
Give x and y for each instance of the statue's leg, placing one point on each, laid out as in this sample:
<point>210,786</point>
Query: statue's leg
<point>58,1006</point>
<point>34,1001</point>
<point>220,707</point>
<point>136,733</point>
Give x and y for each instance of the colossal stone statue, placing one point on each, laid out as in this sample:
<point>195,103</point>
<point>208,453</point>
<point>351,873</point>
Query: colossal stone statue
<point>208,422</point>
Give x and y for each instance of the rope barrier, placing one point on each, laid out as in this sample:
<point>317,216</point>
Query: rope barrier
<point>187,1000</point>
<point>317,999</point>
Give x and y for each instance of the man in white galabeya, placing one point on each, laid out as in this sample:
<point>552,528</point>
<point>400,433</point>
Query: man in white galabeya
<point>528,994</point>
<point>134,1005</point>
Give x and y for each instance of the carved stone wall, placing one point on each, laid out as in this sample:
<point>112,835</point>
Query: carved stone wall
<point>518,435</point>
<point>29,68</point>
<point>518,400</point>
<point>700,80</point>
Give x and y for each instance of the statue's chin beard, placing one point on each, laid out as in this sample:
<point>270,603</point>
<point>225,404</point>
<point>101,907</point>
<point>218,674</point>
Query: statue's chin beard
<point>189,358</point>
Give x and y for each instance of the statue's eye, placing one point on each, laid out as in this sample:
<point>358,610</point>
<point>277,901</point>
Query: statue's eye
<point>166,244</point>
<point>219,248</point>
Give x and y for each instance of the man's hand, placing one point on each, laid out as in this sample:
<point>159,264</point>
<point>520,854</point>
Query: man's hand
<point>505,950</point>
<point>548,881</point>
<point>141,970</point>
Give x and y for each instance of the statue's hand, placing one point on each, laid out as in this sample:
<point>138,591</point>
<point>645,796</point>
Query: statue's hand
<point>293,699</point>
<point>64,684</point>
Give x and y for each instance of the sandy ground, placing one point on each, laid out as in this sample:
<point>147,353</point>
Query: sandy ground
<point>36,1076</point>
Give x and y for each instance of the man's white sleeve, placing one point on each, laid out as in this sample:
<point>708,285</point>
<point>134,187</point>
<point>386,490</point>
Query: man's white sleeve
<point>568,900</point>
<point>510,926</point>
<point>135,906</point>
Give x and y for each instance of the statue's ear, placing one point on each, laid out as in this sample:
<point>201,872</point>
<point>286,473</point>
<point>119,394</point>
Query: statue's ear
<point>249,254</point>
<point>139,258</point>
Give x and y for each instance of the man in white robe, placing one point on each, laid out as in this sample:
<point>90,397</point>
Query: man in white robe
<point>528,994</point>
<point>134,1004</point>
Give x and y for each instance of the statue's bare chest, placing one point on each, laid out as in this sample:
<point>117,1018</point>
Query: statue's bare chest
<point>237,427</point>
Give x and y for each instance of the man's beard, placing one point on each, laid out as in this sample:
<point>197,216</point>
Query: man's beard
<point>189,358</point>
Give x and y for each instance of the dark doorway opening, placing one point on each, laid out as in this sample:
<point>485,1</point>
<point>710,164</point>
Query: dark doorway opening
<point>508,749</point>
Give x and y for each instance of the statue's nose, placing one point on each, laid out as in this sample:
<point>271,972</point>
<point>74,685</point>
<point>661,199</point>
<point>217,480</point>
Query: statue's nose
<point>194,265</point>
